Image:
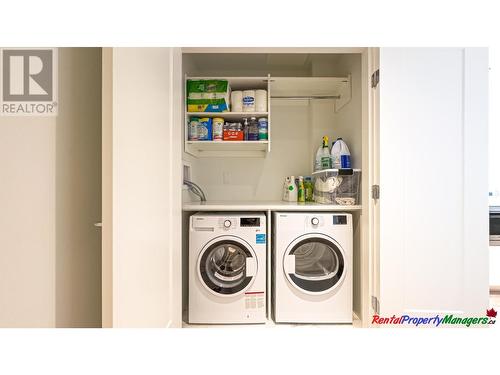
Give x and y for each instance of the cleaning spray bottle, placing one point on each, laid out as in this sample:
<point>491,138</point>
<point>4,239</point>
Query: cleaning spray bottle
<point>326,160</point>
<point>301,191</point>
<point>321,162</point>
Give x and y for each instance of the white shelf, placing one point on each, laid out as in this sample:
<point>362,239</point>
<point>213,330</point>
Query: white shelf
<point>229,116</point>
<point>338,88</point>
<point>239,83</point>
<point>201,146</point>
<point>264,206</point>
<point>323,171</point>
<point>237,149</point>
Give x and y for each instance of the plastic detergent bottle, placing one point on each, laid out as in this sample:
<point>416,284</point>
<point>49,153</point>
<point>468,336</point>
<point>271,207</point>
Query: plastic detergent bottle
<point>317,159</point>
<point>245,128</point>
<point>308,187</point>
<point>253,129</point>
<point>341,157</point>
<point>301,191</point>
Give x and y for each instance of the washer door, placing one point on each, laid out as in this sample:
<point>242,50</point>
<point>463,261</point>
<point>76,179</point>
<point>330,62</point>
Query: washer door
<point>314,264</point>
<point>227,266</point>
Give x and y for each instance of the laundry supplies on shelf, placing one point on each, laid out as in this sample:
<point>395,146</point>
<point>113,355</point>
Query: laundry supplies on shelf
<point>253,129</point>
<point>243,105</point>
<point>301,192</point>
<point>263,129</point>
<point>237,101</point>
<point>337,186</point>
<point>211,95</point>
<point>261,100</point>
<point>205,129</point>
<point>341,157</point>
<point>249,101</point>
<point>194,122</point>
<point>323,159</point>
<point>290,190</point>
<point>218,128</point>
<point>233,131</point>
<point>309,189</point>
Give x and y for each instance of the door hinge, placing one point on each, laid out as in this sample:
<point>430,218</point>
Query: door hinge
<point>375,191</point>
<point>375,78</point>
<point>375,305</point>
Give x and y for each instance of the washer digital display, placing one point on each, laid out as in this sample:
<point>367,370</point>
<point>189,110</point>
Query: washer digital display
<point>250,222</point>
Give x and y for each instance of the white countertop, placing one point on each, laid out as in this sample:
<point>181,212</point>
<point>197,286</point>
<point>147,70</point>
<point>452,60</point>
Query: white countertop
<point>264,206</point>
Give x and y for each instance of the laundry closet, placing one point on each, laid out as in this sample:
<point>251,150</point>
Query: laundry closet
<point>309,95</point>
<point>414,120</point>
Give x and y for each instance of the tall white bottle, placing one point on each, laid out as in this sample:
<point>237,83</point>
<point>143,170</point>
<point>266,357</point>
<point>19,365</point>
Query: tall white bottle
<point>341,157</point>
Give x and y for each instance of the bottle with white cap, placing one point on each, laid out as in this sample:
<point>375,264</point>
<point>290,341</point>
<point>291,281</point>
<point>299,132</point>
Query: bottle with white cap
<point>341,157</point>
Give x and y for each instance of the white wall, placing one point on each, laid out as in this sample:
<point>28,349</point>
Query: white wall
<point>50,198</point>
<point>433,181</point>
<point>297,129</point>
<point>146,184</point>
<point>261,178</point>
<point>494,130</point>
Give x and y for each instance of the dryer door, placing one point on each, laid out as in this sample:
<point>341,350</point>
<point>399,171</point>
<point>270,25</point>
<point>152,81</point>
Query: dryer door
<point>227,266</point>
<point>315,264</point>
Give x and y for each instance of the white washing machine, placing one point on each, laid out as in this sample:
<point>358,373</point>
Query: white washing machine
<point>227,268</point>
<point>312,270</point>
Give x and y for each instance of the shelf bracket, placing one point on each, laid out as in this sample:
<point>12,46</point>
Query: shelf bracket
<point>345,94</point>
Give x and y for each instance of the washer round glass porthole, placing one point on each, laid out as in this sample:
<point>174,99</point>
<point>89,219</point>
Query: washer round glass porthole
<point>223,267</point>
<point>318,265</point>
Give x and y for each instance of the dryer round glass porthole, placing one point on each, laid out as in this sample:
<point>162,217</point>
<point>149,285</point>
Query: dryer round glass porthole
<point>227,266</point>
<point>314,264</point>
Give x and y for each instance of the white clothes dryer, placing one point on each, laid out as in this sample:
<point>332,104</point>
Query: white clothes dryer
<point>312,270</point>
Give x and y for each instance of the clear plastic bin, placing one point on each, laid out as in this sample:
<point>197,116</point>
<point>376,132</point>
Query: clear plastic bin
<point>337,186</point>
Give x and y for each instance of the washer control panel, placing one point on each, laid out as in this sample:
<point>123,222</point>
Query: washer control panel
<point>229,223</point>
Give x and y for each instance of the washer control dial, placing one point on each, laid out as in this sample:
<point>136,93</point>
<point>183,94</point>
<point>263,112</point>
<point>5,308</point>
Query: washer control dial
<point>314,221</point>
<point>227,223</point>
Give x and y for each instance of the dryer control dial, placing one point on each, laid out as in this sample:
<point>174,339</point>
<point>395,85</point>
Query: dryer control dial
<point>314,221</point>
<point>227,223</point>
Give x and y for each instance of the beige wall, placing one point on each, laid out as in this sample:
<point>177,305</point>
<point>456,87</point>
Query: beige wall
<point>27,221</point>
<point>49,199</point>
<point>78,189</point>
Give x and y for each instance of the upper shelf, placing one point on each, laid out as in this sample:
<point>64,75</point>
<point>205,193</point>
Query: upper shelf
<point>240,83</point>
<point>278,88</point>
<point>338,88</point>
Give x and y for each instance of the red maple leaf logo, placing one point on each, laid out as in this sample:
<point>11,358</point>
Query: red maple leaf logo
<point>491,313</point>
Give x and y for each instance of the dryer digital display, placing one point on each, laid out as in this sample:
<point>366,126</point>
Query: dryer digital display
<point>339,220</point>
